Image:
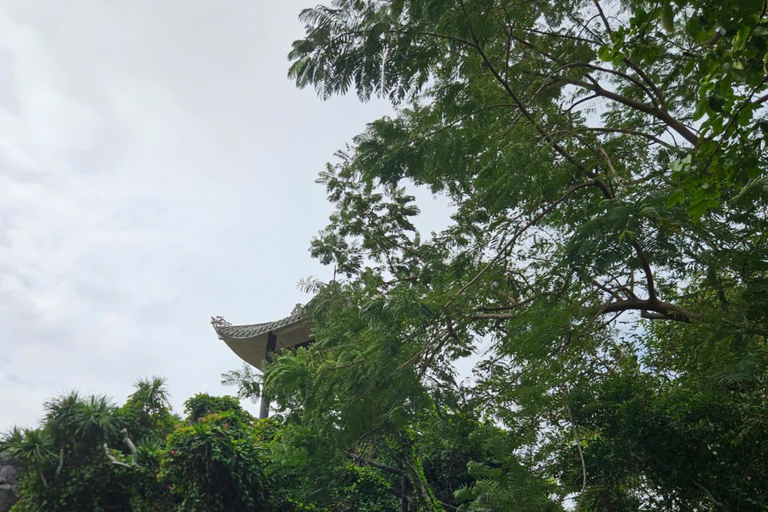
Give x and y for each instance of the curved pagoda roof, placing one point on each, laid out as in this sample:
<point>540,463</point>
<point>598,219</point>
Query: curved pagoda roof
<point>253,342</point>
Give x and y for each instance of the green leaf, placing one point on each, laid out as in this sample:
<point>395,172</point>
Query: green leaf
<point>676,197</point>
<point>605,52</point>
<point>668,17</point>
<point>716,102</point>
<point>740,39</point>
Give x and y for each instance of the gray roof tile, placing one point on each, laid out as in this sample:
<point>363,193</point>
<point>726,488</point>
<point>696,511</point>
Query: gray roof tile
<point>243,332</point>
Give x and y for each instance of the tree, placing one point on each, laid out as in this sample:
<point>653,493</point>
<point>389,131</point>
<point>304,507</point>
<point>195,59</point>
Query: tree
<point>147,412</point>
<point>83,456</point>
<point>63,462</point>
<point>607,166</point>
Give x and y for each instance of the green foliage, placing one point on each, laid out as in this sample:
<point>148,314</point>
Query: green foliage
<point>63,461</point>
<point>606,163</point>
<point>605,263</point>
<point>202,405</point>
<point>219,458</point>
<point>213,464</point>
<point>147,412</point>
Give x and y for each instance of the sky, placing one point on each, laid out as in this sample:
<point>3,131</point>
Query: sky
<point>157,168</point>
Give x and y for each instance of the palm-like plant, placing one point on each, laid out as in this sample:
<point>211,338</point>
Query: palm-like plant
<point>151,395</point>
<point>75,421</point>
<point>32,448</point>
<point>97,419</point>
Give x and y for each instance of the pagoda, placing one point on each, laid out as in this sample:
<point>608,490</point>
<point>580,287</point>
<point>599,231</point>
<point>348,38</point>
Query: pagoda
<point>255,343</point>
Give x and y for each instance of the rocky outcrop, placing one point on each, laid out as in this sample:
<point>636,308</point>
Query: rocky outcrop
<point>8,480</point>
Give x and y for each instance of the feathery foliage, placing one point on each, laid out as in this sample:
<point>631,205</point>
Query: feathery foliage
<point>605,261</point>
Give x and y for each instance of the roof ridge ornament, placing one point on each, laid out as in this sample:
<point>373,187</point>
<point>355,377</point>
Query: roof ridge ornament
<point>218,321</point>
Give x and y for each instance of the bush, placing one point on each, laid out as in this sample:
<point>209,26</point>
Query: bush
<point>213,464</point>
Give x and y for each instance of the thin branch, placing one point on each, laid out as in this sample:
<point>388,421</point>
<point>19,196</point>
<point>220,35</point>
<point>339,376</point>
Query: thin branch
<point>709,496</point>
<point>397,471</point>
<point>347,365</point>
<point>628,131</point>
<point>648,80</point>
<point>516,305</point>
<point>666,310</point>
<point>113,459</point>
<point>659,114</point>
<point>761,99</point>
<point>562,151</point>
<point>560,36</point>
<point>616,72</point>
<point>609,162</point>
<point>495,316</point>
<point>735,117</point>
<point>451,124</point>
<point>522,230</point>
<point>646,269</point>
<point>602,16</point>
<point>374,464</point>
<point>613,293</point>
<point>577,437</point>
<point>580,101</point>
<point>61,462</point>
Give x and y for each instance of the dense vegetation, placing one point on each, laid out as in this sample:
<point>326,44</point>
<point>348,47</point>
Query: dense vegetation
<point>90,455</point>
<point>606,262</point>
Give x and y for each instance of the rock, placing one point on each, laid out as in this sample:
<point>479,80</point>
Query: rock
<point>9,473</point>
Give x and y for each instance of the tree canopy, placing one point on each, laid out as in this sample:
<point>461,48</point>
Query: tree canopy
<point>605,260</point>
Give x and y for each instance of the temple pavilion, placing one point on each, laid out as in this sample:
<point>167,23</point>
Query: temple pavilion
<point>255,343</point>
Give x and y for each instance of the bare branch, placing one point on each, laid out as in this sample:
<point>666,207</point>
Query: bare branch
<point>61,462</point>
<point>113,459</point>
<point>646,269</point>
<point>665,310</point>
<point>131,447</point>
<point>374,464</point>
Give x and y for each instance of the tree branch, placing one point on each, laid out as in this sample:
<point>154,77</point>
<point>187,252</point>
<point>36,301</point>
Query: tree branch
<point>61,462</point>
<point>516,305</point>
<point>131,447</point>
<point>646,269</point>
<point>396,471</point>
<point>523,108</point>
<point>665,310</point>
<point>628,131</point>
<point>659,114</point>
<point>113,459</point>
<point>577,438</point>
<point>536,218</point>
<point>374,464</point>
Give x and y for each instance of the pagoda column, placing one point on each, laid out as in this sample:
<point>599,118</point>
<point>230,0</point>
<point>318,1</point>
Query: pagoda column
<point>271,346</point>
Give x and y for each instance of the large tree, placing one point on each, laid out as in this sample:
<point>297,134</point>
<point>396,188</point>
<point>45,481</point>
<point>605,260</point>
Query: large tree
<point>607,166</point>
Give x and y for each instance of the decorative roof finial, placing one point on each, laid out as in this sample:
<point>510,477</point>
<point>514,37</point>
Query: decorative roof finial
<point>218,321</point>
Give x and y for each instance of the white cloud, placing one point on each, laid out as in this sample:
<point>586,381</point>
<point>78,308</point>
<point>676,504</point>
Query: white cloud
<point>156,168</point>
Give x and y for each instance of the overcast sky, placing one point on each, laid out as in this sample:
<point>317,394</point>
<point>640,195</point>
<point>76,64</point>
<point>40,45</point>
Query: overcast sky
<point>156,168</point>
